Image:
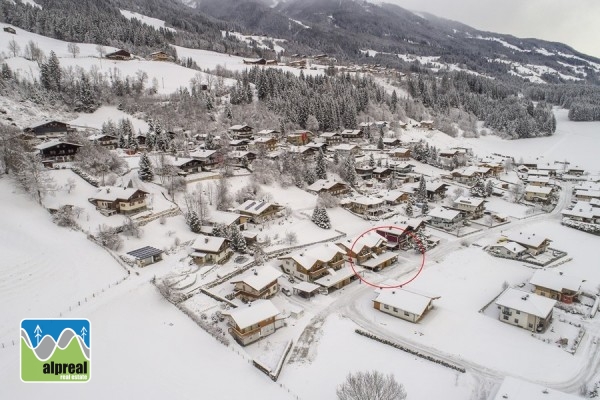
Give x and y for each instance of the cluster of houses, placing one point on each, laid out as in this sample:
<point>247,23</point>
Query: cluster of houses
<point>520,245</point>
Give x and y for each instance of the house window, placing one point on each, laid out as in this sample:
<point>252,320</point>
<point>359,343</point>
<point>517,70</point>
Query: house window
<point>386,306</point>
<point>506,317</point>
<point>406,313</point>
<point>516,321</point>
<point>395,309</point>
<point>518,312</point>
<point>530,326</point>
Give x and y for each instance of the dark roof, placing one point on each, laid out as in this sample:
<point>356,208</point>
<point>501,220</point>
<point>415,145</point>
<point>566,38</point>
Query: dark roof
<point>145,252</point>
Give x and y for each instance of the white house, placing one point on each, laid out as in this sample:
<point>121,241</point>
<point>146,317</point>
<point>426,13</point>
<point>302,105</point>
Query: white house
<point>445,218</point>
<point>210,249</point>
<point>509,249</point>
<point>311,264</point>
<point>403,303</point>
<point>259,283</point>
<point>527,310</point>
<point>473,207</point>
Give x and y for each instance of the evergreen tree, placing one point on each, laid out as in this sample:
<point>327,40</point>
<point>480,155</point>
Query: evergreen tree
<point>238,241</point>
<point>349,170</point>
<point>220,230</point>
<point>336,158</point>
<point>425,208</point>
<point>408,209</point>
<point>371,160</point>
<point>478,189</point>
<point>489,188</point>
<point>422,191</point>
<point>419,241</point>
<point>394,101</point>
<point>309,176</point>
<point>321,218</point>
<point>194,222</point>
<point>380,142</point>
<point>320,167</point>
<point>209,141</point>
<point>145,168</point>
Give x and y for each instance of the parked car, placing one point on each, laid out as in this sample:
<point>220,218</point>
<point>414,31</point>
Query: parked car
<point>286,291</point>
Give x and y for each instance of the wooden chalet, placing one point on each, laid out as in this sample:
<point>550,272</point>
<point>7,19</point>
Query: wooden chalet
<point>253,321</point>
<point>535,244</point>
<point>259,283</point>
<point>240,132</point>
<point>55,150</point>
<point>210,250</point>
<point>331,138</point>
<point>118,200</point>
<point>108,141</point>
<point>48,129</point>
<point>472,207</point>
<point>266,143</point>
<point>331,187</point>
<point>311,264</point>
<point>556,285</point>
<point>254,61</point>
<point>369,251</point>
<point>159,56</point>
<point>400,153</point>
<point>382,173</point>
<point>401,239</point>
<point>446,218</point>
<point>120,54</point>
<point>208,159</point>
<point>365,206</point>
<point>352,134</point>
<point>299,137</point>
<point>258,211</point>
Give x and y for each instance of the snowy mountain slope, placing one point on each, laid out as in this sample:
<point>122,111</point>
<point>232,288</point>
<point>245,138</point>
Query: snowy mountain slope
<point>154,22</point>
<point>262,42</point>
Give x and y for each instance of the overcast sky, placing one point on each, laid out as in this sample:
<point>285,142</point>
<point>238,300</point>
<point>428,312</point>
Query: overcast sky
<point>573,22</point>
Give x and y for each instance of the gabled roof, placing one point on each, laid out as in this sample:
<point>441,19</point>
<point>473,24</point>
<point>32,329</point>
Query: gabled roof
<point>202,154</point>
<point>97,136</point>
<point>239,127</point>
<point>526,302</point>
<point>252,313</point>
<point>472,201</point>
<point>555,280</point>
<point>352,132</point>
<point>334,277</point>
<point>344,147</point>
<point>254,207</point>
<point>223,217</point>
<point>538,189</point>
<point>329,134</point>
<point>513,247</point>
<point>444,213</point>
<point>405,300</point>
<point>398,150</point>
<point>307,258</point>
<point>52,143</point>
<point>259,278</point>
<point>368,240</point>
<point>43,122</point>
<point>113,193</point>
<point>366,201</point>
<point>526,238</point>
<point>210,244</point>
<point>323,184</point>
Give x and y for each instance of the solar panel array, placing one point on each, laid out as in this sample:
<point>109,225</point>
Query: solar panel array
<point>145,252</point>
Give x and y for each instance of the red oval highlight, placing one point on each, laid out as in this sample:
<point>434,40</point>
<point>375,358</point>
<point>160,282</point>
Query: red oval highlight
<point>414,237</point>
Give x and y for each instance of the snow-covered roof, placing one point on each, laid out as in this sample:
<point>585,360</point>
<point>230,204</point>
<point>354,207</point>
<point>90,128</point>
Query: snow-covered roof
<point>353,132</point>
<point>526,238</point>
<point>113,193</point>
<point>254,207</point>
<point>513,247</point>
<point>588,193</point>
<point>583,209</point>
<point>252,313</point>
<point>344,147</point>
<point>268,132</point>
<point>307,258</point>
<point>366,201</point>
<point>377,259</point>
<point>258,278</point>
<point>202,153</point>
<point>392,195</point>
<point>368,240</point>
<point>209,244</point>
<point>472,201</point>
<point>398,150</point>
<point>238,127</point>
<point>526,302</point>
<point>405,300</point>
<point>380,170</point>
<point>555,280</point>
<point>471,170</point>
<point>323,184</point>
<point>538,189</point>
<point>329,134</point>
<point>223,217</point>
<point>52,143</point>
<point>540,179</point>
<point>444,213</point>
<point>517,389</point>
<point>264,139</point>
<point>537,172</point>
<point>179,161</point>
<point>98,136</point>
<point>306,287</point>
<point>335,277</point>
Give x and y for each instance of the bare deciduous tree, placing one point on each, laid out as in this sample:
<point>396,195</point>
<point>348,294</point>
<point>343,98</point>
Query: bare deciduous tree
<point>101,50</point>
<point>372,385</point>
<point>73,49</point>
<point>14,48</point>
<point>33,177</point>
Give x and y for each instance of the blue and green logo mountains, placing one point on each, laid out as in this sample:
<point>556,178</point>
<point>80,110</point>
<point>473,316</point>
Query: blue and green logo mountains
<point>55,350</point>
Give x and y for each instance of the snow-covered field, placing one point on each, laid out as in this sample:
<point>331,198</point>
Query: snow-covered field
<point>153,22</point>
<point>105,114</point>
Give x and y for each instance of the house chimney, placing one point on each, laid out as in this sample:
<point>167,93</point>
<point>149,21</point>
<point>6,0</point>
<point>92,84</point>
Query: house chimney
<point>205,240</point>
<point>107,190</point>
<point>254,271</point>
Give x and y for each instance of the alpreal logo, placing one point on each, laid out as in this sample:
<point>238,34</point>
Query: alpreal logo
<point>55,350</point>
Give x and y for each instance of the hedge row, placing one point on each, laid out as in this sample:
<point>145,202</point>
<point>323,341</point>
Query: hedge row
<point>413,352</point>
